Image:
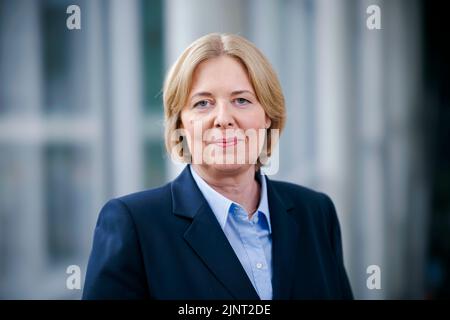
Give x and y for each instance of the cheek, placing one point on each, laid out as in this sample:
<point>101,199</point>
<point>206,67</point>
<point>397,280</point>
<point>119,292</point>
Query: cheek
<point>256,120</point>
<point>187,120</point>
<point>194,127</point>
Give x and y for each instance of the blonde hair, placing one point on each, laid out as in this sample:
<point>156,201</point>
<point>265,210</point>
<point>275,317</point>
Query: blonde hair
<point>263,78</point>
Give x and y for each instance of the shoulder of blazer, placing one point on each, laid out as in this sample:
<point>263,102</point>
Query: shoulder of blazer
<point>305,200</point>
<point>148,203</point>
<point>298,193</point>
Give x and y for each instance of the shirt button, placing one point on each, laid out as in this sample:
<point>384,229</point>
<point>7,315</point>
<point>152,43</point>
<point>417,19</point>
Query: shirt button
<point>259,265</point>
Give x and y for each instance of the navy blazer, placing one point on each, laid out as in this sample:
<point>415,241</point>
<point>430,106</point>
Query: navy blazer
<point>166,243</point>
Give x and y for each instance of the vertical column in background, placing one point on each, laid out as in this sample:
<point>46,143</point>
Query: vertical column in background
<point>297,44</point>
<point>125,96</point>
<point>406,186</point>
<point>20,94</point>
<point>334,110</point>
<point>95,85</point>
<point>369,201</point>
<point>185,21</point>
<point>265,29</point>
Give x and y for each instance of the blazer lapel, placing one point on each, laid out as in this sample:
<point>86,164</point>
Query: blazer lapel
<point>206,237</point>
<point>284,242</point>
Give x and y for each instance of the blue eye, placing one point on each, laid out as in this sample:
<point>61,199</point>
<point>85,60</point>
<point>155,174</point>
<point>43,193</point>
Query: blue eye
<point>201,104</point>
<point>242,101</point>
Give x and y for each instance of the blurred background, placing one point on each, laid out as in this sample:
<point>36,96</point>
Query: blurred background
<point>81,121</point>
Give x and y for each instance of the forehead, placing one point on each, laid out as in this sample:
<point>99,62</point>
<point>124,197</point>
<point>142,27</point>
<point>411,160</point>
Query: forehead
<point>221,72</point>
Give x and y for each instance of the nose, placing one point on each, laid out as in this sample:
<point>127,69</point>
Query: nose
<point>224,118</point>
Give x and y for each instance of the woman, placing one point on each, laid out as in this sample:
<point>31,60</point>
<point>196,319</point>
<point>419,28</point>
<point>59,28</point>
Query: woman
<point>221,229</point>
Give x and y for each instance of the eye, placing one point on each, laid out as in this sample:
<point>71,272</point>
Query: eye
<point>201,104</point>
<point>241,101</point>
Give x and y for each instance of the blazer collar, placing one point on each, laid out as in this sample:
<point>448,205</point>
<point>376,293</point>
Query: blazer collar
<point>285,241</point>
<point>220,204</point>
<point>206,238</point>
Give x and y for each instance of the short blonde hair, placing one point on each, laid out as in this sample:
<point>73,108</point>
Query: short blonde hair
<point>263,78</point>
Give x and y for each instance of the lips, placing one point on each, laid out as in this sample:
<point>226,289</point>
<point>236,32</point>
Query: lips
<point>226,142</point>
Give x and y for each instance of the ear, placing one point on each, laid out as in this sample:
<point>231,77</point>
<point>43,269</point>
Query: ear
<point>268,122</point>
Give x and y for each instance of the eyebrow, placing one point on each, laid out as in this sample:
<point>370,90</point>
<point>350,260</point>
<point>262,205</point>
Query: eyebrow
<point>201,94</point>
<point>208,94</point>
<point>234,93</point>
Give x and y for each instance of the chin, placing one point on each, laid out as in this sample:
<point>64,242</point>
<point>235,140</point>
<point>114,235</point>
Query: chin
<point>230,168</point>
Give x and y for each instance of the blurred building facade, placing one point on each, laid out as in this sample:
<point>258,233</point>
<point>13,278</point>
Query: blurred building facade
<point>81,121</point>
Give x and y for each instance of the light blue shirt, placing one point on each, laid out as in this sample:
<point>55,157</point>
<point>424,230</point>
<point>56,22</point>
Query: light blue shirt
<point>251,239</point>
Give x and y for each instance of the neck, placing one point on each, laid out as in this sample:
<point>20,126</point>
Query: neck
<point>237,185</point>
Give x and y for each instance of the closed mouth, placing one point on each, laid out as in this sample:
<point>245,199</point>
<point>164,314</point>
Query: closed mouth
<point>226,142</point>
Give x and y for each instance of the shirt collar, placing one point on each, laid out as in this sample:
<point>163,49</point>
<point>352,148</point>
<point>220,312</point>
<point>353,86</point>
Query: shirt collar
<point>220,204</point>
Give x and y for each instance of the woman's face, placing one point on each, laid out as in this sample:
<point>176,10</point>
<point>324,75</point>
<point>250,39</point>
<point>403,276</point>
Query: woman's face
<point>223,120</point>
